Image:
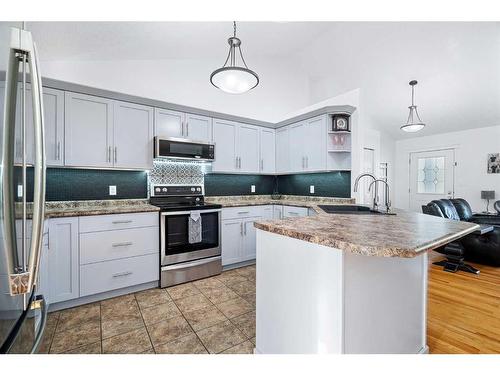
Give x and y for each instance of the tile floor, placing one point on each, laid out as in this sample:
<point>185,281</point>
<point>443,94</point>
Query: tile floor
<point>213,315</point>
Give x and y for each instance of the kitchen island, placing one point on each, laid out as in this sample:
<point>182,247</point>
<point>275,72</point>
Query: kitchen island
<point>346,283</point>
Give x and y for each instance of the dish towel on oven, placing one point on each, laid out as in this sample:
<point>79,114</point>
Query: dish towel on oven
<point>194,227</point>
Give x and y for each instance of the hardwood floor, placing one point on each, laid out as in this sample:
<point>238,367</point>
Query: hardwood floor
<point>464,311</point>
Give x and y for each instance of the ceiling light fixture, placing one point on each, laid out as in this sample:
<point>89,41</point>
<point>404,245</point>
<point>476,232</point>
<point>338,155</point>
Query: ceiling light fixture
<point>413,124</point>
<point>232,78</point>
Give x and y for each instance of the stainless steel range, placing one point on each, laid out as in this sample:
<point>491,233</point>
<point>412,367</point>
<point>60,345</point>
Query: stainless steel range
<point>190,233</point>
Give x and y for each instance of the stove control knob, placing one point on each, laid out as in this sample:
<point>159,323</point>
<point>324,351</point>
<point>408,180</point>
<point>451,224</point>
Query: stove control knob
<point>193,189</point>
<point>157,190</point>
<point>197,199</point>
<point>198,189</point>
<point>164,190</point>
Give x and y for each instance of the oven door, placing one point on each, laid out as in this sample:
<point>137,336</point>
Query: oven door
<point>176,148</point>
<point>174,232</point>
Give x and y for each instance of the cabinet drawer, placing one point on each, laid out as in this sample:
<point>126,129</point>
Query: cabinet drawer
<point>118,221</point>
<point>117,244</point>
<point>115,274</point>
<point>290,211</point>
<point>240,212</point>
<point>267,212</point>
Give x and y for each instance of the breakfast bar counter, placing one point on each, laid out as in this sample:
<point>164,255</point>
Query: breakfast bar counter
<point>346,283</point>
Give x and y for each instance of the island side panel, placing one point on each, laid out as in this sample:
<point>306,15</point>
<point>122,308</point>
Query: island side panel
<point>299,296</point>
<point>385,303</point>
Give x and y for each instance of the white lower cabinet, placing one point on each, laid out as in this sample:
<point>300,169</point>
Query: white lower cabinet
<point>268,212</point>
<point>105,276</point>
<point>238,235</point>
<point>292,211</point>
<point>277,212</point>
<point>63,259</point>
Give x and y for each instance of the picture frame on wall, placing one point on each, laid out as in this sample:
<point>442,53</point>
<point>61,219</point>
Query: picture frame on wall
<point>494,163</point>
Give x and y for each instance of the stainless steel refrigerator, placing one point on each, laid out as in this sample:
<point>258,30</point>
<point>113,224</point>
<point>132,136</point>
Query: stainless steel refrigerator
<point>23,311</point>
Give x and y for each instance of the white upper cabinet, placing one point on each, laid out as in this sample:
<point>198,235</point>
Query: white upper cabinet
<point>248,149</point>
<point>88,131</point>
<point>53,108</point>
<point>182,125</point>
<point>105,133</point>
<point>133,136</point>
<point>198,128</point>
<point>315,144</point>
<point>296,142</point>
<point>267,151</point>
<point>169,123</point>
<point>282,150</point>
<point>225,133</point>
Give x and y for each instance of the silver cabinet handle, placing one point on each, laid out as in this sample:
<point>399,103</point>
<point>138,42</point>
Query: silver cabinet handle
<point>182,128</point>
<point>243,212</point>
<point>121,221</point>
<point>58,151</point>
<point>307,161</point>
<point>261,164</point>
<point>122,244</point>
<point>245,227</point>
<point>187,129</point>
<point>236,161</point>
<point>239,162</point>
<point>122,274</point>
<point>241,229</point>
<point>109,155</point>
<point>116,154</point>
<point>292,213</point>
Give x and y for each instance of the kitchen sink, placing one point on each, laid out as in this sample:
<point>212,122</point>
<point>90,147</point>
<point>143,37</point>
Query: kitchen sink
<point>349,209</point>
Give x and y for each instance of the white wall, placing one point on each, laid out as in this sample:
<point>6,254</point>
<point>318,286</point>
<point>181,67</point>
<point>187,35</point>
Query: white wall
<point>471,149</point>
<point>283,88</point>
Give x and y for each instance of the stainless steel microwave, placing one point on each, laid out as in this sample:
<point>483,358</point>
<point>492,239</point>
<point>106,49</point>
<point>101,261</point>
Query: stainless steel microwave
<point>178,148</point>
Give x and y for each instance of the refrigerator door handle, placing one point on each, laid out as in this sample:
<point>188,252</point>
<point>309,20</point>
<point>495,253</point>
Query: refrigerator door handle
<point>39,303</point>
<point>20,280</point>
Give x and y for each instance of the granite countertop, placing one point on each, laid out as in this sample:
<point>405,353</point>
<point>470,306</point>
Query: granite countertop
<point>88,208</point>
<point>406,234</point>
<point>288,200</point>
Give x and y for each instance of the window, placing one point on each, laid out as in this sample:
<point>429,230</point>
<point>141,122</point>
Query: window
<point>431,175</point>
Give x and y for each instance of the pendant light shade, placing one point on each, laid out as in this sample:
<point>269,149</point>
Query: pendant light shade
<point>233,78</point>
<point>413,123</point>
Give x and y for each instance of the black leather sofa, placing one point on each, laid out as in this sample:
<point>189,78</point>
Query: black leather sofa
<point>478,247</point>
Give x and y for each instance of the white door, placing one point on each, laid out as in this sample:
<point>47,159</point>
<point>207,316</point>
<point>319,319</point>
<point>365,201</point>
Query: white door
<point>249,239</point>
<point>63,259</point>
<point>88,135</point>
<point>267,151</point>
<point>282,147</point>
<point>315,143</point>
<point>296,148</point>
<point>368,167</point>
<point>169,123</point>
<point>225,146</point>
<point>133,136</point>
<point>232,232</point>
<point>198,128</point>
<point>431,177</point>
<point>248,148</point>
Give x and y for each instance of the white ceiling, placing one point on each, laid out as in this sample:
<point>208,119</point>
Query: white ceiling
<point>457,64</point>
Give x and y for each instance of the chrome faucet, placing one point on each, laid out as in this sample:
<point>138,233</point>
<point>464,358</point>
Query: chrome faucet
<point>375,196</point>
<point>386,192</point>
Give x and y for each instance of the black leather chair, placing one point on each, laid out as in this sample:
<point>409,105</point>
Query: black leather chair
<point>480,247</point>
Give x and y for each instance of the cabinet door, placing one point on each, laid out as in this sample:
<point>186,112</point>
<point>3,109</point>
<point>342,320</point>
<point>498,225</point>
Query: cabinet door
<point>232,233</point>
<point>88,131</point>
<point>169,123</point>
<point>315,143</point>
<point>268,212</point>
<point>249,243</point>
<point>277,212</point>
<point>248,149</point>
<point>225,146</point>
<point>267,151</point>
<point>53,107</point>
<point>133,136</point>
<point>282,150</point>
<point>296,147</point>
<point>63,259</point>
<point>198,128</point>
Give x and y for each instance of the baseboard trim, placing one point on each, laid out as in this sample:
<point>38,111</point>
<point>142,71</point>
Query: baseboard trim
<point>238,265</point>
<point>101,296</point>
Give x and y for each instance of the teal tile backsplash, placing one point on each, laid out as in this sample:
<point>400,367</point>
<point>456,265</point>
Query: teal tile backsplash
<point>327,184</point>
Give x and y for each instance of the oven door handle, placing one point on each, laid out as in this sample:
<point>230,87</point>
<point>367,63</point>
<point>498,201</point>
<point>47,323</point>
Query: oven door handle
<point>173,213</point>
<point>190,264</point>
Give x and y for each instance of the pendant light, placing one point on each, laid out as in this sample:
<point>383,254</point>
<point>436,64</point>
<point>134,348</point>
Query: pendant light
<point>413,124</point>
<point>232,78</point>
